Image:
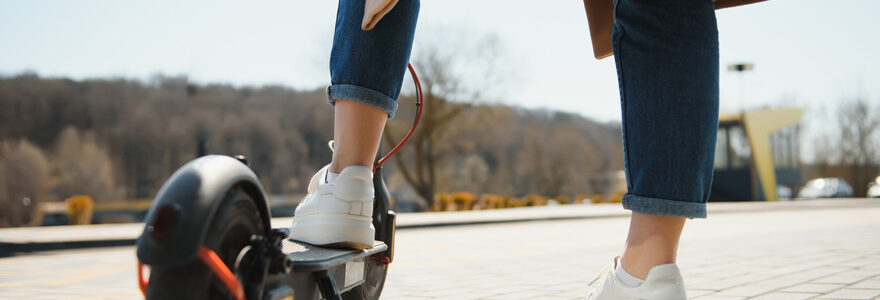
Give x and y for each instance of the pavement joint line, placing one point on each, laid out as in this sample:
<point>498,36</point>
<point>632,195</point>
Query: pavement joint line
<point>782,290</point>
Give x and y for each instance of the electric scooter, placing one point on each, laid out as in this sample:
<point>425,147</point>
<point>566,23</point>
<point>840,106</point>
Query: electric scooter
<point>208,235</point>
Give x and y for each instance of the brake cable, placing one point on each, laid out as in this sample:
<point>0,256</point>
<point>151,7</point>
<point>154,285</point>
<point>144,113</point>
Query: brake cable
<point>418,117</point>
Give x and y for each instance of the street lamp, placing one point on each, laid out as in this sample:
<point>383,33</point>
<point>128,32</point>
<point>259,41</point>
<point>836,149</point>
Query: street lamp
<point>739,69</point>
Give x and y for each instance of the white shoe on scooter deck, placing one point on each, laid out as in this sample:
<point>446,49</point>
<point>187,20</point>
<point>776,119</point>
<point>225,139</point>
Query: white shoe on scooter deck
<point>337,213</point>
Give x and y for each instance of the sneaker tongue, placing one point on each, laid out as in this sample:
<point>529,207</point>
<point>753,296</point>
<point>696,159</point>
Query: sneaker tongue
<point>318,178</point>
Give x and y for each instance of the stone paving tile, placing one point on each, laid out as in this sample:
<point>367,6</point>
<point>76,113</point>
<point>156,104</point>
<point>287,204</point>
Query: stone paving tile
<point>555,297</point>
<point>860,272</point>
<point>503,289</point>
<point>871,266</point>
<point>444,292</point>
<point>848,279</point>
<point>749,290</point>
<point>394,294</point>
<point>821,288</point>
<point>695,281</point>
<point>467,296</point>
<point>46,297</point>
<point>867,284</point>
<point>576,293</point>
<point>785,296</point>
<point>847,293</point>
<point>459,293</point>
<point>790,269</point>
<point>567,286</point>
<point>528,294</point>
<point>723,283</point>
<point>696,293</point>
<point>714,297</point>
<point>406,297</point>
<point>817,272</point>
<point>718,271</point>
<point>781,282</point>
<point>855,263</point>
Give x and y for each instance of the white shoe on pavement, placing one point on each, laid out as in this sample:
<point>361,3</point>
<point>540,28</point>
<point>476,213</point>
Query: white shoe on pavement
<point>664,282</point>
<point>337,213</point>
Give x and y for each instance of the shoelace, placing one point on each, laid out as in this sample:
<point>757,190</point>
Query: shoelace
<point>601,275</point>
<point>332,145</point>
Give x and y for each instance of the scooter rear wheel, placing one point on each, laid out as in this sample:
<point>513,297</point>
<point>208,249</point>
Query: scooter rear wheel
<point>236,221</point>
<point>374,281</point>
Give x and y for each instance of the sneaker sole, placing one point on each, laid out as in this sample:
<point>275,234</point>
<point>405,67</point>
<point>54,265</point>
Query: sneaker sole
<point>338,231</point>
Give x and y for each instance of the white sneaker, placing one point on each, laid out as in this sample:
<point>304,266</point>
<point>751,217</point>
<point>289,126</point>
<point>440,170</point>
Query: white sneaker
<point>338,213</point>
<point>664,282</point>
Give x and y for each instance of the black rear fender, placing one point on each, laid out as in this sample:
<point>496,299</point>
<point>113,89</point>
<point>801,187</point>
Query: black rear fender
<point>178,220</point>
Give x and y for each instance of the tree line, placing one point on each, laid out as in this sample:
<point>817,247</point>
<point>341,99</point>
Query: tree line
<point>118,139</point>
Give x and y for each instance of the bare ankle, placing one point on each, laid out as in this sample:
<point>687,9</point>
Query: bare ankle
<point>652,241</point>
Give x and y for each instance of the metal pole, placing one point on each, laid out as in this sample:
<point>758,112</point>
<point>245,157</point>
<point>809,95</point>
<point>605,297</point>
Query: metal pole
<point>739,69</point>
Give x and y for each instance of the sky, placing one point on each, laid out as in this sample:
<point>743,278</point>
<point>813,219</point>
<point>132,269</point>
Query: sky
<point>807,53</point>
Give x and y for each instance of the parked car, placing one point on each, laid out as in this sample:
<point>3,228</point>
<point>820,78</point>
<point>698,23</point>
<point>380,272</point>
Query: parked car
<point>874,188</point>
<point>831,187</point>
<point>784,192</point>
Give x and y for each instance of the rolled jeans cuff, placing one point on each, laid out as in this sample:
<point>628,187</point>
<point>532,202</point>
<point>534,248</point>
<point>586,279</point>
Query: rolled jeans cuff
<point>664,207</point>
<point>363,95</point>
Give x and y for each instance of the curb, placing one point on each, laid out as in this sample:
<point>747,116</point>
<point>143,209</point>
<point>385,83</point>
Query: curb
<point>12,249</point>
<point>15,241</point>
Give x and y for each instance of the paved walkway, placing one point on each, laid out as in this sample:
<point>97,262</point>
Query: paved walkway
<point>28,239</point>
<point>804,251</point>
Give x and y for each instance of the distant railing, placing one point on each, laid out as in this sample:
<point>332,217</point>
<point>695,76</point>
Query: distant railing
<point>80,210</point>
<point>459,201</point>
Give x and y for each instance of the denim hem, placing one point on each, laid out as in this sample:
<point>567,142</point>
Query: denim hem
<point>664,207</point>
<point>363,95</point>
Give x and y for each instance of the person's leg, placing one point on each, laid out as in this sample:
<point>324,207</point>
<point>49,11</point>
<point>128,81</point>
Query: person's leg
<point>667,59</point>
<point>667,65</point>
<point>652,241</point>
<point>366,69</point>
<point>357,129</point>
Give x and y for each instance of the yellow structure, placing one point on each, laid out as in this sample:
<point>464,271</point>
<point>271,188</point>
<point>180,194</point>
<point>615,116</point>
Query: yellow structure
<point>79,209</point>
<point>454,201</point>
<point>491,201</point>
<point>563,199</point>
<point>758,125</point>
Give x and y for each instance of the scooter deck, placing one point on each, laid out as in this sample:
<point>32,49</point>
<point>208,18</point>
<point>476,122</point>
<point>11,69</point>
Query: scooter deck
<point>309,258</point>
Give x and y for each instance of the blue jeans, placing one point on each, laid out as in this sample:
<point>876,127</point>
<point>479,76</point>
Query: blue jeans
<point>368,66</point>
<point>667,68</point>
<point>667,62</point>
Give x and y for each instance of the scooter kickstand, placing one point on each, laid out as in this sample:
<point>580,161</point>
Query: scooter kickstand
<point>327,285</point>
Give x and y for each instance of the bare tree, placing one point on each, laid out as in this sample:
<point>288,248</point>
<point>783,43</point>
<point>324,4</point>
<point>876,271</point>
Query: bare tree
<point>558,157</point>
<point>148,129</point>
<point>859,137</point>
<point>83,167</point>
<point>850,149</point>
<point>446,75</point>
<point>859,140</point>
<point>24,183</point>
